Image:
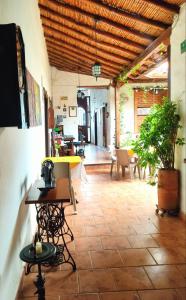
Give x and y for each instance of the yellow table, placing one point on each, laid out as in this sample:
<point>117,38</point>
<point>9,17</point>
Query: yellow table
<point>76,165</point>
<point>73,160</point>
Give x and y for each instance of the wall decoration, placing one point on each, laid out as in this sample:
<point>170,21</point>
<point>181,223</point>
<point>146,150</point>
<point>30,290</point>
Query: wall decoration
<point>64,98</point>
<point>34,102</point>
<point>143,111</point>
<point>72,111</point>
<point>59,119</point>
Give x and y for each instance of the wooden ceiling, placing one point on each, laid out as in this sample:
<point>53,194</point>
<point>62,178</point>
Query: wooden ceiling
<point>125,36</point>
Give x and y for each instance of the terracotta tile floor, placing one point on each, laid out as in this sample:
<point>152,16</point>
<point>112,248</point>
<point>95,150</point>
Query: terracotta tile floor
<point>122,249</point>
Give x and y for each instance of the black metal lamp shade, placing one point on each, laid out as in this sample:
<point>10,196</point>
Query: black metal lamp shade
<point>96,70</point>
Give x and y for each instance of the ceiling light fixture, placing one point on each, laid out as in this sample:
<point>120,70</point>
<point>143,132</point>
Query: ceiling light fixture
<point>96,68</point>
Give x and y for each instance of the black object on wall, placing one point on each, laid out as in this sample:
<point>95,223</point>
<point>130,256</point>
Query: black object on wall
<point>13,85</point>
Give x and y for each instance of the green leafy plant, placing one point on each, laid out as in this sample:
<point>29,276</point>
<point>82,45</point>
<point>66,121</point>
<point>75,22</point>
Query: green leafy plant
<point>123,77</point>
<point>156,143</point>
<point>127,140</point>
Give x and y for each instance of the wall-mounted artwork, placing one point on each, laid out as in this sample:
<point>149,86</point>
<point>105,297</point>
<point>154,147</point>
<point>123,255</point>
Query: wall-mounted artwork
<point>143,111</point>
<point>64,98</point>
<point>59,119</point>
<point>34,102</point>
<point>72,111</point>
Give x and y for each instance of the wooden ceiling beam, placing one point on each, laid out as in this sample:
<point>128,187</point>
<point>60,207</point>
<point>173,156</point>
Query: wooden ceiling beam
<point>143,73</point>
<point>150,50</point>
<point>87,36</point>
<point>122,13</point>
<point>67,69</point>
<point>75,69</point>
<point>62,39</point>
<point>89,42</point>
<point>70,61</point>
<point>53,45</point>
<point>83,26</point>
<point>150,80</point>
<point>164,5</point>
<point>118,26</point>
<point>81,62</point>
<point>77,60</point>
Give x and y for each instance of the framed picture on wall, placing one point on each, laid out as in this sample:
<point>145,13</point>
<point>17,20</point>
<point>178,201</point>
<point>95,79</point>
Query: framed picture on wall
<point>72,111</point>
<point>143,111</point>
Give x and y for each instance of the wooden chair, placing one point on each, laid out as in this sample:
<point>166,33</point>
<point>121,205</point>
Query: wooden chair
<point>123,160</point>
<point>62,174</point>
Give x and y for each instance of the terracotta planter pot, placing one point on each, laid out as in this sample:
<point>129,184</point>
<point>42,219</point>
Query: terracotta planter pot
<point>168,189</point>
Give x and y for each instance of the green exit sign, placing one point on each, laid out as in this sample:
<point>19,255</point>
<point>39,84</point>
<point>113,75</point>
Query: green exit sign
<point>183,46</point>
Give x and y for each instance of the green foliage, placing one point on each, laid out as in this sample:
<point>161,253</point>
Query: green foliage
<point>158,136</point>
<point>124,77</point>
<point>127,140</point>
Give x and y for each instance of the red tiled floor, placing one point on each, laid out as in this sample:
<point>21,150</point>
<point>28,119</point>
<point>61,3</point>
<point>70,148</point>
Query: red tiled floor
<point>181,293</point>
<point>80,297</point>
<point>182,269</point>
<point>106,259</point>
<point>131,278</point>
<point>166,276</point>
<point>159,295</point>
<point>167,255</point>
<point>96,281</point>
<point>142,241</point>
<point>122,249</point>
<point>136,257</point>
<point>115,242</point>
<point>62,282</point>
<point>119,296</point>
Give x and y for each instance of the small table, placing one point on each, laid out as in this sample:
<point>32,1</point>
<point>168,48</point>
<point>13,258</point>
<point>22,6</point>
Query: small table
<point>28,255</point>
<point>69,142</point>
<point>52,224</point>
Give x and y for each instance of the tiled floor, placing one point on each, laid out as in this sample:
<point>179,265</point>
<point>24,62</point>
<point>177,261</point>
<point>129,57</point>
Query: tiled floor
<point>122,249</point>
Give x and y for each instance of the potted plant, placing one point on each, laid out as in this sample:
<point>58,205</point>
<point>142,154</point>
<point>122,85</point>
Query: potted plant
<point>155,148</point>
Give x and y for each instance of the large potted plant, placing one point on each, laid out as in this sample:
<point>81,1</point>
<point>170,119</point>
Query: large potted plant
<point>155,148</point>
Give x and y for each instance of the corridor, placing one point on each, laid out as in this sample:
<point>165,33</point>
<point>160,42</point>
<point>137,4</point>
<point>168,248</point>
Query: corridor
<point>123,251</point>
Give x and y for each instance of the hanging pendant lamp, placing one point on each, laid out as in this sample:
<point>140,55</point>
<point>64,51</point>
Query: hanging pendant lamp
<point>96,68</point>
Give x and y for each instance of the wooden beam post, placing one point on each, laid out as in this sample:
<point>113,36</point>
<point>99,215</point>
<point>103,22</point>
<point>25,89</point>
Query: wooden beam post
<point>117,117</point>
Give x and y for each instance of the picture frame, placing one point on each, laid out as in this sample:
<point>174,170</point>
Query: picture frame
<point>143,111</point>
<point>59,119</point>
<point>72,111</point>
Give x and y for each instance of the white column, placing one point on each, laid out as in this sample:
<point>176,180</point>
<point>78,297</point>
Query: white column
<point>178,91</point>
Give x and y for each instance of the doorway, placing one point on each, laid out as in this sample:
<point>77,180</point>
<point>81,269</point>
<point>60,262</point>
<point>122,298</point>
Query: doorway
<point>83,117</point>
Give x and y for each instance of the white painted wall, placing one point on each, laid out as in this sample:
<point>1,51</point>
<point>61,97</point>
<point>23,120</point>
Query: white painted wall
<point>127,92</point>
<point>178,91</point>
<point>65,84</point>
<point>21,152</point>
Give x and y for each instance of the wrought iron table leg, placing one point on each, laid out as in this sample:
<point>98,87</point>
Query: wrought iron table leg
<point>39,283</point>
<point>52,225</point>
